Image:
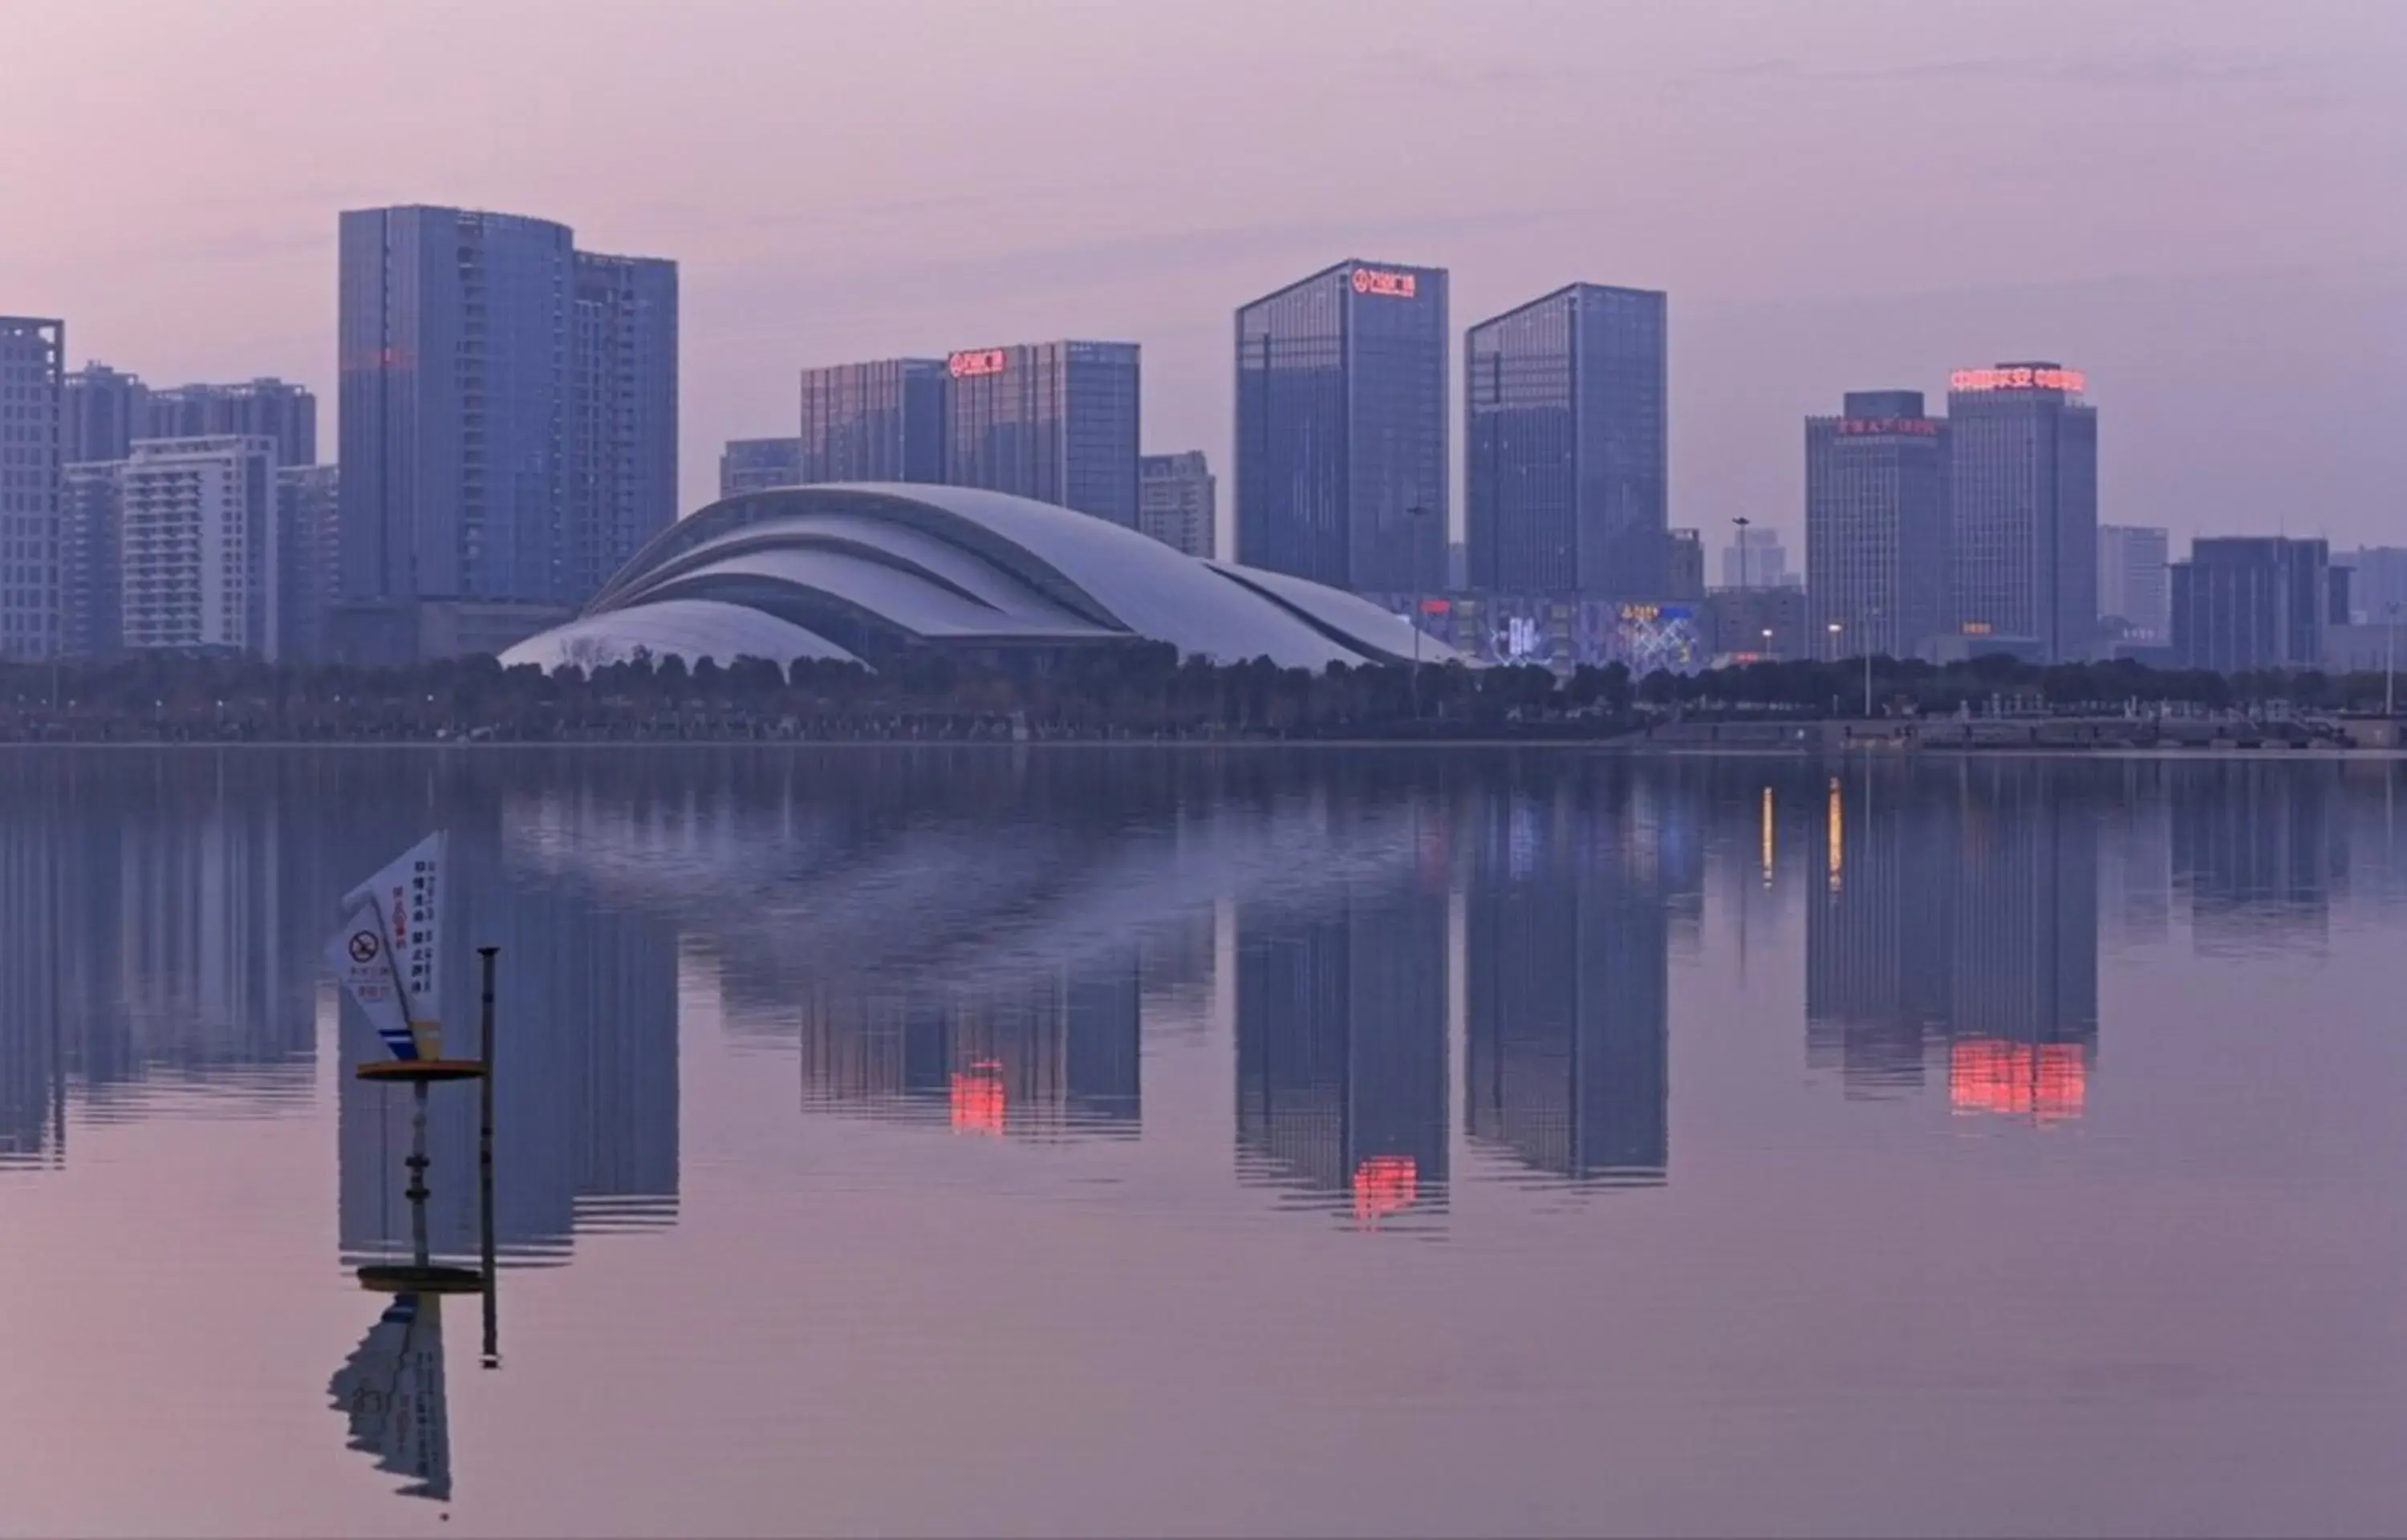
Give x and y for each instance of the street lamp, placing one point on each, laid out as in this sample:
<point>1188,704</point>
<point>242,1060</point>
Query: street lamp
<point>2389,653</point>
<point>1413,533</point>
<point>1868,668</point>
<point>1767,642</point>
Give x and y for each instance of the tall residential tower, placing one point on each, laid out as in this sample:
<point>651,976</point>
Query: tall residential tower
<point>33,387</point>
<point>509,425</point>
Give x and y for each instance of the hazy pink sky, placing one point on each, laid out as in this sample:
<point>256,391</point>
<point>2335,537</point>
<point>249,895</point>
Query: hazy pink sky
<point>2197,201</point>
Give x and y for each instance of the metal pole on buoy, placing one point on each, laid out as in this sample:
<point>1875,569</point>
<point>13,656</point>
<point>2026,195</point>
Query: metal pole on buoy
<point>493,1354</point>
<point>416,1192</point>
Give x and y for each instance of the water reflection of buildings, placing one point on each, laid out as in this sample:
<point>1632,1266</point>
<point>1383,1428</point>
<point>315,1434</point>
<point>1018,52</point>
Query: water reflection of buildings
<point>145,943</point>
<point>1568,985</point>
<point>1956,912</point>
<point>2259,850</point>
<point>1341,1024</point>
<point>585,1093</point>
<point>1051,1054</point>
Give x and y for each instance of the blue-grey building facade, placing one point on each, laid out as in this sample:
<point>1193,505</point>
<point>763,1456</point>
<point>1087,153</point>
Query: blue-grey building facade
<point>1877,531</point>
<point>509,415</point>
<point>2252,601</point>
<point>1567,435</point>
<point>33,391</point>
<point>2022,474</point>
<point>755,465</point>
<point>1341,428</point>
<point>623,398</point>
<point>876,421</point>
<point>1056,421</point>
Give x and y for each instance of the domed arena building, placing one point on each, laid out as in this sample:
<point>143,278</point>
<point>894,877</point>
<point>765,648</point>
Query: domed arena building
<point>868,572</point>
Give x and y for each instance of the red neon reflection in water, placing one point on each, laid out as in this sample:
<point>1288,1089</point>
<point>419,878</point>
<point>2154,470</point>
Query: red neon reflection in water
<point>2049,1081</point>
<point>977,1099</point>
<point>1383,1185</point>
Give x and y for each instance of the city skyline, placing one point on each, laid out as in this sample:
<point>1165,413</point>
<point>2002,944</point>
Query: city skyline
<point>2176,308</point>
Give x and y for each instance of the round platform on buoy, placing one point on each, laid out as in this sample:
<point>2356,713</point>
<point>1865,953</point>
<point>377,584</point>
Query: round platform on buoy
<point>422,1069</point>
<point>405,1277</point>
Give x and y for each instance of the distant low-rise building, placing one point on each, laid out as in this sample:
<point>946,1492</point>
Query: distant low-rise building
<point>2134,603</point>
<point>1749,622</point>
<point>755,465</point>
<point>2256,602</point>
<point>1757,558</point>
<point>1178,501</point>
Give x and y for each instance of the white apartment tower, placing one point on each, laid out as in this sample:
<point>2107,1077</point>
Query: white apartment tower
<point>197,545</point>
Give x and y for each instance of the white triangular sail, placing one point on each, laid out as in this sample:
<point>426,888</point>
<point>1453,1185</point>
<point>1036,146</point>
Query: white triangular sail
<point>407,896</point>
<point>364,962</point>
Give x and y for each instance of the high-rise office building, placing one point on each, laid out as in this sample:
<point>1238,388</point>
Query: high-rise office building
<point>1056,421</point>
<point>2023,487</point>
<point>1341,428</point>
<point>1176,501</point>
<point>33,388</point>
<point>2258,601</point>
<point>2131,583</point>
<point>508,418</point>
<point>1566,432</point>
<point>1877,525</point>
<point>623,392</point>
<point>1757,558</point>
<point>309,558</point>
<point>756,465</point>
<point>91,579</point>
<point>197,543</point>
<point>106,410</point>
<point>261,408</point>
<point>879,421</point>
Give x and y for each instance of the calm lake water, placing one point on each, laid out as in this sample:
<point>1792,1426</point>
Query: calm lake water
<point>1113,1142</point>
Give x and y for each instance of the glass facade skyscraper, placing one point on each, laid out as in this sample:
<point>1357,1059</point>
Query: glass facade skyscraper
<point>1567,432</point>
<point>1876,526</point>
<point>2023,484</point>
<point>508,411</point>
<point>1056,421</point>
<point>880,421</point>
<point>1341,428</point>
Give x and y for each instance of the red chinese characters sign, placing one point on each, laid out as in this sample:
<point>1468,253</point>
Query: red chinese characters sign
<point>977,360</point>
<point>2019,378</point>
<point>1394,285</point>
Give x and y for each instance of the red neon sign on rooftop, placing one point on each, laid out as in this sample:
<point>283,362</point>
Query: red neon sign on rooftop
<point>977,360</point>
<point>1394,285</point>
<point>2021,376</point>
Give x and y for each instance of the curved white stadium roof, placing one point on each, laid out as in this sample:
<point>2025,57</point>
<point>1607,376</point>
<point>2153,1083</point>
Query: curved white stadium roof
<point>839,571</point>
